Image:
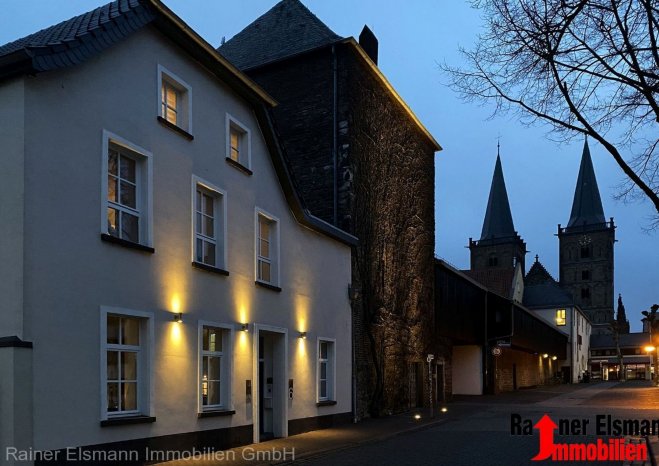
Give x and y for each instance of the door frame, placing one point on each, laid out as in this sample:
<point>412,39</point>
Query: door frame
<point>281,392</point>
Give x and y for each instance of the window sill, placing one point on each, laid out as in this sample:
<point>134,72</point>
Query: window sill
<point>175,128</point>
<point>326,403</point>
<point>125,243</point>
<point>216,413</point>
<point>122,421</point>
<point>268,286</point>
<point>239,166</point>
<point>210,268</point>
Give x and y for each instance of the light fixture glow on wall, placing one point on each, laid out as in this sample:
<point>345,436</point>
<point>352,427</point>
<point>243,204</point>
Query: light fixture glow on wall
<point>554,358</point>
<point>303,335</point>
<point>244,327</point>
<point>178,317</point>
<point>545,355</point>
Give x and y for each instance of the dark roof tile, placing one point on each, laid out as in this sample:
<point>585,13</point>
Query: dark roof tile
<point>286,29</point>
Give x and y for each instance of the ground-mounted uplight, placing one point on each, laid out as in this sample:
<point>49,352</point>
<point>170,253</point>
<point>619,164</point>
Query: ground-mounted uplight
<point>303,335</point>
<point>417,417</point>
<point>244,327</point>
<point>178,317</point>
<point>545,356</point>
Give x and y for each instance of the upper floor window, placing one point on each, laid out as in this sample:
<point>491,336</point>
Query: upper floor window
<point>585,252</point>
<point>238,148</point>
<point>209,224</point>
<point>493,261</point>
<point>585,274</point>
<point>267,248</point>
<point>585,293</point>
<point>126,186</point>
<point>175,100</point>
<point>560,317</point>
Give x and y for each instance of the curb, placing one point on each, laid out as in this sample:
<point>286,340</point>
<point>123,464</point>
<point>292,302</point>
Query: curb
<point>347,446</point>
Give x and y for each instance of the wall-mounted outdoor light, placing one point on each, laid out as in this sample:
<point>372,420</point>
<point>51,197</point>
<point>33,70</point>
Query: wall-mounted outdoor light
<point>303,335</point>
<point>545,355</point>
<point>178,318</point>
<point>244,327</point>
<point>554,358</point>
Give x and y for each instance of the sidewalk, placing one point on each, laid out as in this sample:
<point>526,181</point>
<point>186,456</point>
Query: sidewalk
<point>304,446</point>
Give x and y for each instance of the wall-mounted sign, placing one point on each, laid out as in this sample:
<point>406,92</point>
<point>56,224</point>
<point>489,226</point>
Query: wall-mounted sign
<point>496,351</point>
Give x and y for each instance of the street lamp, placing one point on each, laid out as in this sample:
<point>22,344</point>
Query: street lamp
<point>651,317</point>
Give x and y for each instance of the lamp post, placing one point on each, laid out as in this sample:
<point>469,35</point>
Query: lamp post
<point>651,317</point>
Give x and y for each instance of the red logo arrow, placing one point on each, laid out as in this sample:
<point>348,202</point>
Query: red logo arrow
<point>546,427</point>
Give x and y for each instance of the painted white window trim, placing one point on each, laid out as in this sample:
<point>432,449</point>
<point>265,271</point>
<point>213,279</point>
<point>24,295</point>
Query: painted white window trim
<point>260,212</point>
<point>227,372</point>
<point>146,389</point>
<point>247,139</point>
<point>221,194</point>
<point>332,365</point>
<point>178,82</point>
<point>145,158</point>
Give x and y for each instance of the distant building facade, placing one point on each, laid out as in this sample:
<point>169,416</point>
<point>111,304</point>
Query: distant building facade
<point>607,351</point>
<point>365,163</point>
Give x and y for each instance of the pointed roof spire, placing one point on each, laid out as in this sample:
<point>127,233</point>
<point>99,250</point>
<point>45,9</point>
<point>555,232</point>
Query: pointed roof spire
<point>498,219</point>
<point>587,204</point>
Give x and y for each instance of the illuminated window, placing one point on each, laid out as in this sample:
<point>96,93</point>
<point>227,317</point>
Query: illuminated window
<point>325,370</point>
<point>267,248</point>
<point>238,142</point>
<point>214,371</point>
<point>175,100</point>
<point>560,317</point>
<point>209,224</point>
<point>124,349</point>
<point>127,191</point>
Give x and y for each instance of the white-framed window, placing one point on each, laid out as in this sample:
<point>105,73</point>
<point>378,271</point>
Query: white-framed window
<point>215,349</point>
<point>326,369</point>
<point>126,187</point>
<point>238,142</point>
<point>267,248</point>
<point>174,99</point>
<point>560,317</point>
<point>209,224</point>
<point>126,337</point>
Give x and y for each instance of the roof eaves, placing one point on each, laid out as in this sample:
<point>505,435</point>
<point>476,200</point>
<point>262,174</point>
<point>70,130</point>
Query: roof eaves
<point>300,212</point>
<point>234,74</point>
<point>381,77</point>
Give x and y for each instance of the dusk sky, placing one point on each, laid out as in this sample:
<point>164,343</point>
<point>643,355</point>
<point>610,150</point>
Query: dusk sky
<point>414,37</point>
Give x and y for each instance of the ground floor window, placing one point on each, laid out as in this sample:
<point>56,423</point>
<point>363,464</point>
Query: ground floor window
<point>326,369</point>
<point>215,370</point>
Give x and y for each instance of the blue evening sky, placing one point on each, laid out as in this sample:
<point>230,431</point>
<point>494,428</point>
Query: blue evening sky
<point>414,37</point>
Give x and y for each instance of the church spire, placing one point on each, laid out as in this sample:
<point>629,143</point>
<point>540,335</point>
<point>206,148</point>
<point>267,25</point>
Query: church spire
<point>498,219</point>
<point>587,204</point>
<point>623,323</point>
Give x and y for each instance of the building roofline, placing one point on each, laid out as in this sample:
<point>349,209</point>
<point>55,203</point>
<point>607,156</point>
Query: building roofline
<point>385,82</point>
<point>375,71</point>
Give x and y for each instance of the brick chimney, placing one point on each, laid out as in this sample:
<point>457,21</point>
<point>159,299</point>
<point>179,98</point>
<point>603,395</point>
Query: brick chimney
<point>369,43</point>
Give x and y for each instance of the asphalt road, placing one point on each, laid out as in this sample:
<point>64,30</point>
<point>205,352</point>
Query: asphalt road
<point>477,430</point>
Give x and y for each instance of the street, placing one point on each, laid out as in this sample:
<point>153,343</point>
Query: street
<point>477,429</point>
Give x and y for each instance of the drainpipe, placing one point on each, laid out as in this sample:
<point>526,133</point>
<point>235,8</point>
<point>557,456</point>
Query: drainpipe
<point>335,136</point>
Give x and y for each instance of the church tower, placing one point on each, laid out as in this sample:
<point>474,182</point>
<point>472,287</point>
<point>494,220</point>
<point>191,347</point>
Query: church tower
<point>586,248</point>
<point>499,246</point>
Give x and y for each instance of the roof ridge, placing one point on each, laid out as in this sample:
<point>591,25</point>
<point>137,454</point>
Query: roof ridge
<point>286,29</point>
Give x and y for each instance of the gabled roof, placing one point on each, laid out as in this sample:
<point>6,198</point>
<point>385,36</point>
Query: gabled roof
<point>540,289</point>
<point>286,29</point>
<point>71,42</point>
<point>498,221</point>
<point>587,204</point>
<point>497,280</point>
